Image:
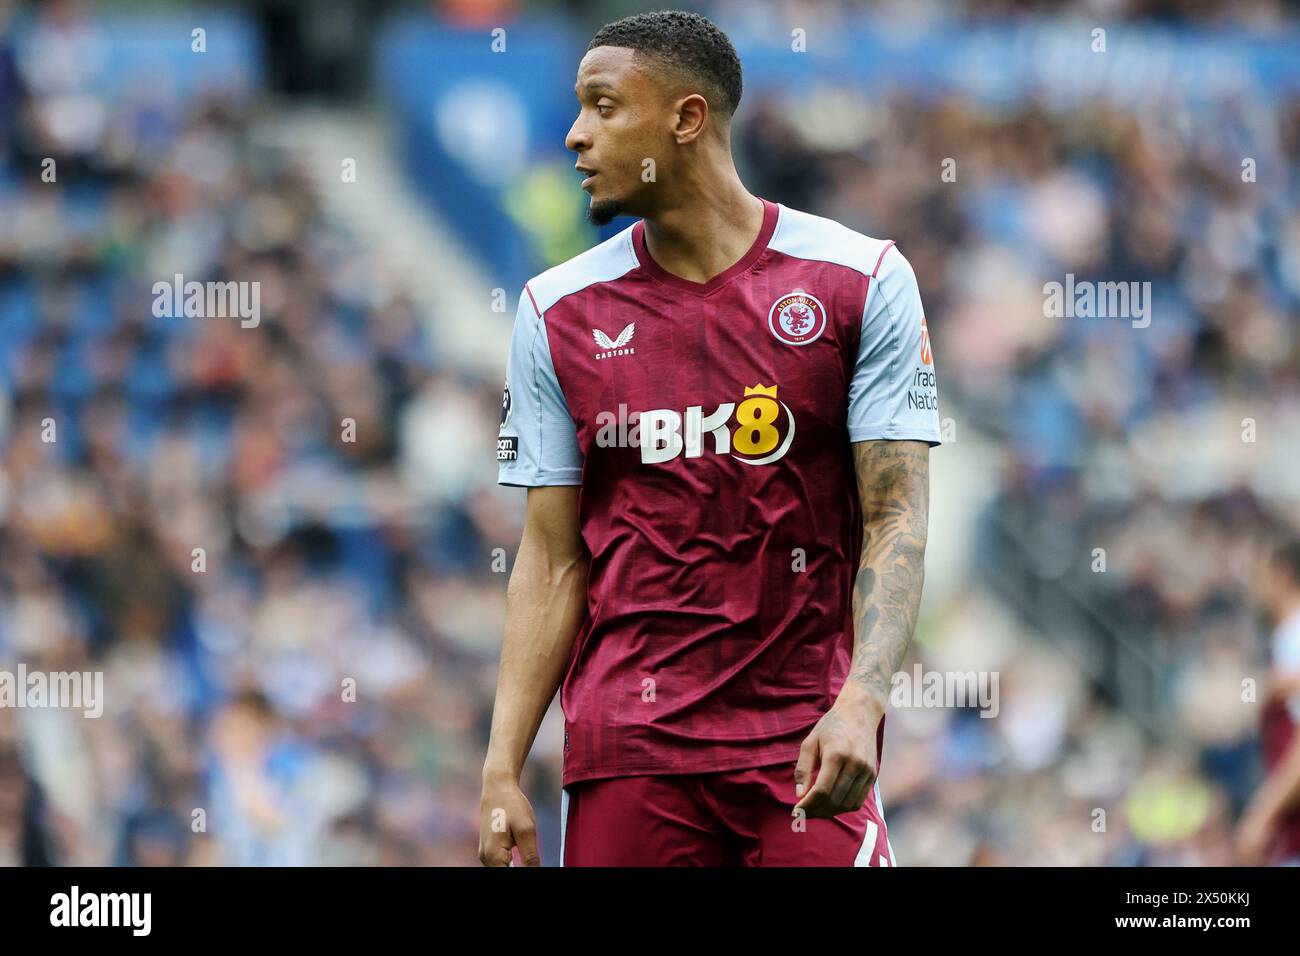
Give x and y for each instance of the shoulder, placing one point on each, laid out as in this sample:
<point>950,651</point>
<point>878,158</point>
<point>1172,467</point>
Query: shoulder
<point>805,236</point>
<point>891,283</point>
<point>604,262</point>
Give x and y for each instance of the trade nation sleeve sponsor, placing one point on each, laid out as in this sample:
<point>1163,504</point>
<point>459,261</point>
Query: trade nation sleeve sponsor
<point>893,394</point>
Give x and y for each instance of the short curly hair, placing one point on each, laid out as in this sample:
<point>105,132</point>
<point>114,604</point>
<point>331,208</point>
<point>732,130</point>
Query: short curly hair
<point>685,42</point>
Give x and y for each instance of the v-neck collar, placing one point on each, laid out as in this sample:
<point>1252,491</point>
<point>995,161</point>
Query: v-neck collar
<point>658,272</point>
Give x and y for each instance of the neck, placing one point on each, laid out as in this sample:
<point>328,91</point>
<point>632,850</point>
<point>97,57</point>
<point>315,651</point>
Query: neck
<point>711,223</point>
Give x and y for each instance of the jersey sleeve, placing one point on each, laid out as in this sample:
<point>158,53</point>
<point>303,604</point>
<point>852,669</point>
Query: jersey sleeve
<point>537,443</point>
<point>893,393</point>
<point>1286,659</point>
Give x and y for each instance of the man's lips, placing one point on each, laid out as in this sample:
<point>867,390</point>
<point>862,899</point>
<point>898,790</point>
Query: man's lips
<point>591,174</point>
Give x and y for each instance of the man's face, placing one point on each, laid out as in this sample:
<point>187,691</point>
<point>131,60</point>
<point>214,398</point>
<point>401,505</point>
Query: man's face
<point>624,119</point>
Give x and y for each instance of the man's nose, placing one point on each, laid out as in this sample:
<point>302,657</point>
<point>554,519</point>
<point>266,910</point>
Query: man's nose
<point>578,138</point>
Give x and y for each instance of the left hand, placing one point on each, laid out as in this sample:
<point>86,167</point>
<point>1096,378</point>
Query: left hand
<point>842,748</point>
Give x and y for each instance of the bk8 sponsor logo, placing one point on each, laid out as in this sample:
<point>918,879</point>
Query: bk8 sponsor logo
<point>758,431</point>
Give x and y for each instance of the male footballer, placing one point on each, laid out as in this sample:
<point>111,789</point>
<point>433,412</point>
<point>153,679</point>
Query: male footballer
<point>723,417</point>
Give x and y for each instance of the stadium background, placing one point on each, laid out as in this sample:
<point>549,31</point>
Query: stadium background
<point>387,300</point>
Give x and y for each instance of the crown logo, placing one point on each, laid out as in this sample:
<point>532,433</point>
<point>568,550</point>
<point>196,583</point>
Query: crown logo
<point>760,389</point>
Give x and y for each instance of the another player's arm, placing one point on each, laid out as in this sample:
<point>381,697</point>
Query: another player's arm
<point>545,602</point>
<point>1277,797</point>
<point>894,489</point>
<point>1281,792</point>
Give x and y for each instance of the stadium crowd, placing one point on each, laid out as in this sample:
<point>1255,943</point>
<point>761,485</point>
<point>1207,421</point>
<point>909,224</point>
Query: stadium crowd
<point>313,684</point>
<point>336,553</point>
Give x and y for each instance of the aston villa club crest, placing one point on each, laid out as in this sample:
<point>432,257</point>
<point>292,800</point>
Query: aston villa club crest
<point>797,318</point>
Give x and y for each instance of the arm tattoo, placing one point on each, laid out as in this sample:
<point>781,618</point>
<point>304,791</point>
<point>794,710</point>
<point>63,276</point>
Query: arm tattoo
<point>894,489</point>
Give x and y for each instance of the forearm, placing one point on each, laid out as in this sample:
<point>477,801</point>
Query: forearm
<point>545,603</point>
<point>1281,791</point>
<point>893,483</point>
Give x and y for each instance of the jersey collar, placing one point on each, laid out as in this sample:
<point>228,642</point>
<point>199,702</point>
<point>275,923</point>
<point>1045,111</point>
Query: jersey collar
<point>656,271</point>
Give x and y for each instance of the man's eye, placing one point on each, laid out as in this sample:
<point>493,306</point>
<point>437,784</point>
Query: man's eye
<point>602,108</point>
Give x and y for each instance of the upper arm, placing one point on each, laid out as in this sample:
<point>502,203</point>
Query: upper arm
<point>893,479</point>
<point>537,443</point>
<point>551,523</point>
<point>893,393</point>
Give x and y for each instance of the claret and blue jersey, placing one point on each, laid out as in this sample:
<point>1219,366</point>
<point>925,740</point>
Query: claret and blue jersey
<point>709,426</point>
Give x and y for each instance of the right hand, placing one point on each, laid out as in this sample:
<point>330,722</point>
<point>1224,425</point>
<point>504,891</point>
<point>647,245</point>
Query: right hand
<point>506,820</point>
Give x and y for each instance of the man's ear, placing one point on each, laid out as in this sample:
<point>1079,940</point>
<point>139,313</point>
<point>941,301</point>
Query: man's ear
<point>692,114</point>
